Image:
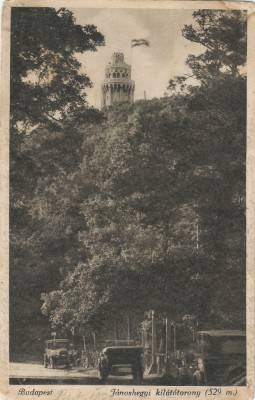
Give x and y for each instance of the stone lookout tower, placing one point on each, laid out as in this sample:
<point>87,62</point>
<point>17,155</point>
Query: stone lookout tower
<point>117,86</point>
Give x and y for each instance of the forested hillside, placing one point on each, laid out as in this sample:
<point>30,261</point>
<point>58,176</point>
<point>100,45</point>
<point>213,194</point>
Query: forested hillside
<point>135,207</point>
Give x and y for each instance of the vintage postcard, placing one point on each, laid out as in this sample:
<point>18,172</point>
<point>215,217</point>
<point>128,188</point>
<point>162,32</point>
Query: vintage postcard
<point>127,193</point>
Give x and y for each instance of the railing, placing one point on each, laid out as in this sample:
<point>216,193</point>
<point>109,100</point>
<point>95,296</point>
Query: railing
<point>118,80</point>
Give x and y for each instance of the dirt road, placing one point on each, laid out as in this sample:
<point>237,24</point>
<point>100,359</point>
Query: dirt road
<point>23,370</point>
<point>25,373</point>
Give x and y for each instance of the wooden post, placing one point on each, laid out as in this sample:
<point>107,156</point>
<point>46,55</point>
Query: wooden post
<point>153,366</point>
<point>166,336</point>
<point>128,328</point>
<point>153,344</point>
<point>168,345</point>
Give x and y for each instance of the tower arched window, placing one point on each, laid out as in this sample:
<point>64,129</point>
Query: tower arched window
<point>126,75</point>
<point>118,75</point>
<point>114,75</point>
<point>109,75</point>
<point>123,75</point>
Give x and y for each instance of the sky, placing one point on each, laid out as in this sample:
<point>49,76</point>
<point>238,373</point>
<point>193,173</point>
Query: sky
<point>152,66</point>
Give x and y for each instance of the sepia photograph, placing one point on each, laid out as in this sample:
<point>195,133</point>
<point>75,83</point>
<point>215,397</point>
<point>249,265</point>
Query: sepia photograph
<point>128,141</point>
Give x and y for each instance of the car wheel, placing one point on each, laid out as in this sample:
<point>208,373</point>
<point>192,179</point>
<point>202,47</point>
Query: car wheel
<point>233,376</point>
<point>195,381</point>
<point>103,373</point>
<point>184,380</point>
<point>78,362</point>
<point>134,373</point>
<point>140,375</point>
<point>137,374</point>
<point>103,376</point>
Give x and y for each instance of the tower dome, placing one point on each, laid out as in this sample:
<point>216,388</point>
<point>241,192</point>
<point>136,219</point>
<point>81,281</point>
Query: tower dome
<point>117,86</point>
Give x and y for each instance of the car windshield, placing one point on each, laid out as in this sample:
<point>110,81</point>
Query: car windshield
<point>58,345</point>
<point>233,346</point>
<point>214,346</point>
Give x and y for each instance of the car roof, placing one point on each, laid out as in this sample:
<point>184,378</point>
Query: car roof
<point>222,332</point>
<point>57,341</point>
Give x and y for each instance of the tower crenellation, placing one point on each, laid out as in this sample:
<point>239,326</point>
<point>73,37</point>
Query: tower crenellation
<point>117,86</point>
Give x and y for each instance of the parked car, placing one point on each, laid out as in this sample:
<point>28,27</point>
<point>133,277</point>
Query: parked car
<point>121,360</point>
<point>56,353</point>
<point>219,359</point>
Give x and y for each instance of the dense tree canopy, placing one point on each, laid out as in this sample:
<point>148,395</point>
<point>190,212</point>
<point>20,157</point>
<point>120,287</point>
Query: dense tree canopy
<point>46,84</point>
<point>168,201</point>
<point>145,209</point>
<point>224,36</point>
<point>156,183</point>
<point>48,100</point>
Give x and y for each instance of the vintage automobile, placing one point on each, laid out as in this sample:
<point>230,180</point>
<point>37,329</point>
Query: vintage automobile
<point>121,360</point>
<point>219,359</point>
<point>56,353</point>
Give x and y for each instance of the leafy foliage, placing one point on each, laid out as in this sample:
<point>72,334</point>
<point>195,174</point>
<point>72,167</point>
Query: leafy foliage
<point>224,35</point>
<point>48,99</point>
<point>144,209</point>
<point>154,185</point>
<point>46,85</point>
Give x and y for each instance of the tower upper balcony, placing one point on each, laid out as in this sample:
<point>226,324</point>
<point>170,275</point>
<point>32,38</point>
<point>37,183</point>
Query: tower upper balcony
<point>118,58</point>
<point>118,68</point>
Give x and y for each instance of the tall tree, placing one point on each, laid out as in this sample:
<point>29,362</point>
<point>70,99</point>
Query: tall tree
<point>217,121</point>
<point>224,37</point>
<point>48,99</point>
<point>46,84</point>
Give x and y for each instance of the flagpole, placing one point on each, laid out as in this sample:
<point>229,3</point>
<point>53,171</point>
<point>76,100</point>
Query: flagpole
<point>134,43</point>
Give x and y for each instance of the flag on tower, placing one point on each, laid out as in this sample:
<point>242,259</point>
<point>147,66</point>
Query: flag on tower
<point>139,42</point>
